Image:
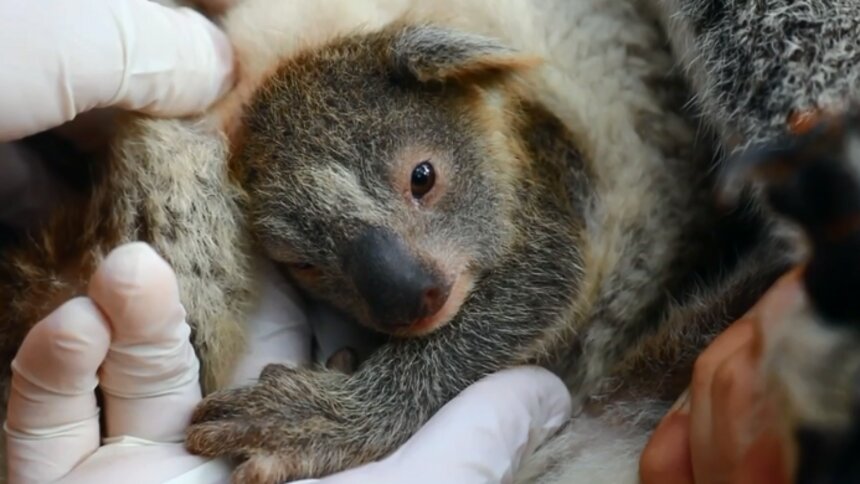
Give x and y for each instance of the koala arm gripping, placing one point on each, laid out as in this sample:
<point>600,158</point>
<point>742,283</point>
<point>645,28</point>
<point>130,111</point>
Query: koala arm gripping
<point>306,423</point>
<point>753,64</point>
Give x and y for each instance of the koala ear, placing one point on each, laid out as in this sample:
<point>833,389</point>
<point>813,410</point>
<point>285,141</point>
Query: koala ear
<point>428,53</point>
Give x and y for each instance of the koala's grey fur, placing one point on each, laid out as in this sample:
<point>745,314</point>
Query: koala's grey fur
<point>753,62</point>
<point>586,207</point>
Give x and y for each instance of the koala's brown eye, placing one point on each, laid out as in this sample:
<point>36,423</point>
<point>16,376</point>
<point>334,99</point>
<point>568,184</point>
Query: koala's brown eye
<point>423,179</point>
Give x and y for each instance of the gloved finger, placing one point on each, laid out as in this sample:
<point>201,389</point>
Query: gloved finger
<point>480,436</point>
<point>60,59</point>
<point>53,418</point>
<point>151,365</point>
<point>152,463</point>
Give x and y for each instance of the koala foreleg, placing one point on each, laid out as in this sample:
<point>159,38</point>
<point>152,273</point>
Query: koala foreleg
<point>307,423</point>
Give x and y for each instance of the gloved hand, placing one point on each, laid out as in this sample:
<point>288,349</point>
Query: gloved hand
<point>129,336</point>
<point>60,59</point>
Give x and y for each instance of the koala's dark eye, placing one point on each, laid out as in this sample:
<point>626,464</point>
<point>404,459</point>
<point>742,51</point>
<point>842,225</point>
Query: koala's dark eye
<point>423,179</point>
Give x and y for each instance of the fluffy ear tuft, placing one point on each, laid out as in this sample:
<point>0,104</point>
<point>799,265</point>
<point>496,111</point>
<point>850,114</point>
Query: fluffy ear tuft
<point>429,53</point>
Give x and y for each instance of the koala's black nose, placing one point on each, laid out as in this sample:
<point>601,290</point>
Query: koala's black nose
<point>398,287</point>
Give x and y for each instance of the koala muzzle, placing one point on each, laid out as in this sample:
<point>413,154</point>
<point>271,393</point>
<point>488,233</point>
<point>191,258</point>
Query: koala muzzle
<point>399,288</point>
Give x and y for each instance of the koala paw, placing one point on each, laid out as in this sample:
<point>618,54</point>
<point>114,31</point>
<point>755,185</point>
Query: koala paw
<point>291,424</point>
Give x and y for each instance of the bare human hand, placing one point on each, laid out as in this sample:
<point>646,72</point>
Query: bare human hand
<point>726,427</point>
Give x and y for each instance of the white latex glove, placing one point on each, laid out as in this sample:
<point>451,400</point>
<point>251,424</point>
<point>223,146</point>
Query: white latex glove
<point>64,57</point>
<point>130,336</point>
<point>61,58</point>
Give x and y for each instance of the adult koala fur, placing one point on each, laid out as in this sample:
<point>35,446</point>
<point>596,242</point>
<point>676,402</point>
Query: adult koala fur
<point>601,255</point>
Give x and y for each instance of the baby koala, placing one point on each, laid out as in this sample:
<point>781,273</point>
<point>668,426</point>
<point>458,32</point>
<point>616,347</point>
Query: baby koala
<point>414,178</point>
<point>402,177</point>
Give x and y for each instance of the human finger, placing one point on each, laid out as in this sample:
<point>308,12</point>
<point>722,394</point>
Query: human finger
<point>782,299</point>
<point>53,418</point>
<point>702,456</point>
<point>135,460</point>
<point>727,388</point>
<point>60,59</point>
<point>764,462</point>
<point>737,392</point>
<point>666,457</point>
<point>151,364</point>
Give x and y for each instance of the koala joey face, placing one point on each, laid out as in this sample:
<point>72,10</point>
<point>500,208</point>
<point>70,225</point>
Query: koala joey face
<point>380,174</point>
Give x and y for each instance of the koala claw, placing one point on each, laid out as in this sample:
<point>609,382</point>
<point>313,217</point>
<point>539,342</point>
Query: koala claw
<point>262,469</point>
<point>291,424</point>
<point>221,405</point>
<point>264,463</point>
